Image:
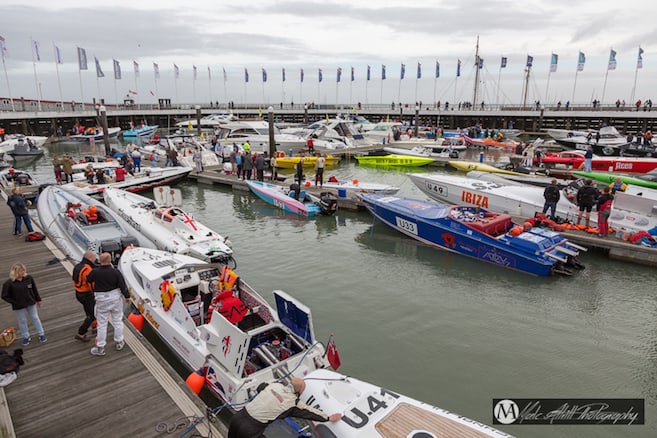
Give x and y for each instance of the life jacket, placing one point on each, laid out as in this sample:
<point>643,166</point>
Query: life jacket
<point>228,278</point>
<point>80,278</point>
<point>229,306</point>
<point>168,294</point>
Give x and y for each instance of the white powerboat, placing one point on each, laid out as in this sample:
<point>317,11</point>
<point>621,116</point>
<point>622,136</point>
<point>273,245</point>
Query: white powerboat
<point>608,144</point>
<point>208,122</point>
<point>168,226</point>
<point>96,134</point>
<point>559,134</point>
<point>256,132</point>
<point>77,223</point>
<point>21,142</point>
<point>148,178</point>
<point>330,134</point>
<point>352,188</point>
<point>220,326</point>
<point>375,412</point>
<point>185,145</point>
<point>10,178</point>
<point>521,199</point>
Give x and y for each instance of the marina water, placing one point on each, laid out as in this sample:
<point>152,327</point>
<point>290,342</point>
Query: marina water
<point>439,327</point>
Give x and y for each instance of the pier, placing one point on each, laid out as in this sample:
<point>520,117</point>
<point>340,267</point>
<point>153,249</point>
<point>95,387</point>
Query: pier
<point>62,390</point>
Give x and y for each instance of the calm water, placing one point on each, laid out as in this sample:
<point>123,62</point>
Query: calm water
<point>442,328</point>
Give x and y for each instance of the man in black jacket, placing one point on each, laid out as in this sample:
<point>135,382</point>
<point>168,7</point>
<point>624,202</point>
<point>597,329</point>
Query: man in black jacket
<point>552,196</point>
<point>587,196</point>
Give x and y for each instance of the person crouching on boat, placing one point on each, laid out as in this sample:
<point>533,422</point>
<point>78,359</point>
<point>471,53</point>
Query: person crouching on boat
<point>275,401</point>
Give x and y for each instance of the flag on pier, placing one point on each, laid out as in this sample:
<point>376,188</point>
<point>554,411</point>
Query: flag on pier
<point>135,66</point>
<point>580,61</point>
<point>503,65</point>
<point>58,56</point>
<point>419,70</point>
<point>209,74</point>
<point>458,68</point>
<point>117,69</point>
<point>225,75</point>
<point>176,71</point>
<point>530,61</point>
<point>246,75</point>
<point>612,60</point>
<point>301,76</point>
<point>156,71</point>
<point>339,74</point>
<point>403,72</point>
<point>319,75</point>
<point>639,59</point>
<point>383,72</point>
<point>264,75</point>
<point>99,71</point>
<point>368,73</point>
<point>353,74</point>
<point>283,76</point>
<point>35,46</point>
<point>437,69</point>
<point>481,63</point>
<point>82,59</point>
<point>195,72</point>
<point>3,47</point>
<point>553,62</point>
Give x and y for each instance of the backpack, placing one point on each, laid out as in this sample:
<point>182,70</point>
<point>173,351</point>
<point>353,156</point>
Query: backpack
<point>34,236</point>
<point>9,363</point>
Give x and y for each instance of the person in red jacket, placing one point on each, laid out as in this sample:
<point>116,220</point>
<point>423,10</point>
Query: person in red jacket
<point>120,174</point>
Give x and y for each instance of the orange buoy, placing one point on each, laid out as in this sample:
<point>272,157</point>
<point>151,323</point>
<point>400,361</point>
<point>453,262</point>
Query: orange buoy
<point>355,181</point>
<point>195,381</point>
<point>137,321</point>
<point>307,183</point>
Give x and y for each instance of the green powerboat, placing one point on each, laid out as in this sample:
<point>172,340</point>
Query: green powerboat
<point>648,180</point>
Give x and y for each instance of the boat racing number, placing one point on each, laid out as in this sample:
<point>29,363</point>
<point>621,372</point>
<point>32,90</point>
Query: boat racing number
<point>359,414</point>
<point>406,225</point>
<point>436,188</point>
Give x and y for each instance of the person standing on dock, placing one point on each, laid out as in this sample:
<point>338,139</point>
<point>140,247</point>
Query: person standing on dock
<point>247,166</point>
<point>588,158</point>
<point>552,196</point>
<point>319,169</point>
<point>108,285</point>
<point>18,205</point>
<point>57,167</point>
<point>260,166</point>
<point>84,293</point>
<point>275,401</point>
<point>21,292</point>
<point>197,157</point>
<point>67,165</point>
<point>587,197</point>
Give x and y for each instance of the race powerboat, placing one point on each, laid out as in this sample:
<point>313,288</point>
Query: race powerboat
<point>306,205</point>
<point>478,233</point>
<point>23,142</point>
<point>219,326</point>
<point>77,223</point>
<point>393,160</point>
<point>184,144</point>
<point>141,131</point>
<point>168,226</point>
<point>285,162</point>
<point>10,178</point>
<point>355,186</point>
<point>96,134</point>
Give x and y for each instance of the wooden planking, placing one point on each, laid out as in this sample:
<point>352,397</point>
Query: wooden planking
<point>62,390</point>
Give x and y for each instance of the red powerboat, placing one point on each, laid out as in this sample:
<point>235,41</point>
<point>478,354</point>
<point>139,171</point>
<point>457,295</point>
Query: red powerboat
<point>575,159</point>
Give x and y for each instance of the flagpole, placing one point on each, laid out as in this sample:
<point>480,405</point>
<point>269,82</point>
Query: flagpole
<point>499,79</point>
<point>456,82</point>
<point>136,87</point>
<point>4,66</point>
<point>547,87</point>
<point>36,80</point>
<point>416,81</point>
<point>210,85</point>
<point>399,90</point>
<point>604,87</point>
<point>381,98</point>
<point>98,87</point>
<point>367,82</point>
<point>636,72</point>
<point>116,94</point>
<point>59,81</point>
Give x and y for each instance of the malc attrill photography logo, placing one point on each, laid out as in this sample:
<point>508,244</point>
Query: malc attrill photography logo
<point>616,411</point>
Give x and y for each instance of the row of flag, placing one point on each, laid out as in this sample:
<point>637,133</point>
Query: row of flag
<point>82,63</point>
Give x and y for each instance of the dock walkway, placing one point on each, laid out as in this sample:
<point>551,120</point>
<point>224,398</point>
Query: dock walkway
<point>64,391</point>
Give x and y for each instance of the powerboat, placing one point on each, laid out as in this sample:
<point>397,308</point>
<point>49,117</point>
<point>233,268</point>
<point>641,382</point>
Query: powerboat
<point>96,134</point>
<point>142,131</point>
<point>355,186</point>
<point>185,144</point>
<point>609,143</point>
<point>219,326</point>
<point>286,162</point>
<point>490,143</point>
<point>77,223</point>
<point>256,133</point>
<point>208,122</point>
<point>424,151</point>
<point>559,134</point>
<point>648,180</point>
<point>148,178</point>
<point>575,159</point>
<point>306,205</point>
<point>330,135</point>
<point>478,233</point>
<point>168,226</point>
<point>372,411</point>
<point>520,200</point>
<point>393,160</point>
<point>10,178</point>
<point>23,142</point>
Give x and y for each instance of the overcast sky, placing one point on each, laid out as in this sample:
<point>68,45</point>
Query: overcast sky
<point>311,35</point>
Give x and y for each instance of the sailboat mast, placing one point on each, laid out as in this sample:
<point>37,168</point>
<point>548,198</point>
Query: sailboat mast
<point>476,84</point>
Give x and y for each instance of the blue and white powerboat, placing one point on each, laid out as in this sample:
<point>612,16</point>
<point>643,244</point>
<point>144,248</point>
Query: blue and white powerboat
<point>306,205</point>
<point>478,233</point>
<point>142,131</point>
<point>77,223</point>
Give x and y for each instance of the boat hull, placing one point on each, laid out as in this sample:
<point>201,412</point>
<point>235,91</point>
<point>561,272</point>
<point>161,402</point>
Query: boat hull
<point>291,162</point>
<point>608,178</point>
<point>480,235</point>
<point>467,166</point>
<point>393,160</point>
<point>111,133</point>
<point>280,197</point>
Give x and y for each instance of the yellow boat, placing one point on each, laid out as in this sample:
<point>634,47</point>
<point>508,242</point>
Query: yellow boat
<point>291,162</point>
<point>467,166</point>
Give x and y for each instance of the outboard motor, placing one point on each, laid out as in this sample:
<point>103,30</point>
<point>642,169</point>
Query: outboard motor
<point>328,202</point>
<point>294,187</point>
<point>113,247</point>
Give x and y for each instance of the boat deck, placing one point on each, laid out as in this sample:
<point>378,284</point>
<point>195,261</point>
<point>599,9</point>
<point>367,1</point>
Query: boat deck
<point>62,390</point>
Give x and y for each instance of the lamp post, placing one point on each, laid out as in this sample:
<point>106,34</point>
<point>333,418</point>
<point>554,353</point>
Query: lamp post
<point>272,140</point>
<point>103,121</point>
<point>198,120</point>
<point>417,118</point>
